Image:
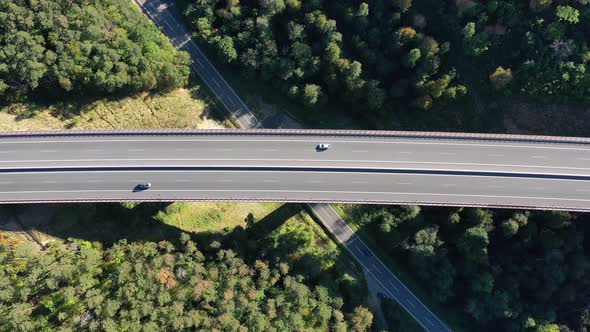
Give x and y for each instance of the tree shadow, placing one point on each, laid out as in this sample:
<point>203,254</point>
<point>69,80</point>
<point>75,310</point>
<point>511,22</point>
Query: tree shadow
<point>106,223</point>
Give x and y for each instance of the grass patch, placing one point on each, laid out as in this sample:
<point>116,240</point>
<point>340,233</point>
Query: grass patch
<point>212,216</point>
<point>450,317</point>
<point>181,108</point>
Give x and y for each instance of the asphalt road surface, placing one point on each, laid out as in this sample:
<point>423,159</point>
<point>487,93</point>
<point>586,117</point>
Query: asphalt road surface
<point>165,15</point>
<point>391,285</point>
<point>290,168</point>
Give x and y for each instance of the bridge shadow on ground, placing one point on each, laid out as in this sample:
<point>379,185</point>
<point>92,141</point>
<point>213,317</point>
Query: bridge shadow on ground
<point>109,223</point>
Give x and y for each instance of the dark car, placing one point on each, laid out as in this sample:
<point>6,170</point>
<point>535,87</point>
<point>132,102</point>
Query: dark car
<point>144,186</point>
<point>322,147</point>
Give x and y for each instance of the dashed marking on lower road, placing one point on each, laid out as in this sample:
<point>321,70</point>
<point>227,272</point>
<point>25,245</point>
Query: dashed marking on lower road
<point>376,268</point>
<point>135,150</point>
<point>270,181</point>
<point>48,151</point>
<point>359,151</point>
<point>411,303</point>
<point>393,285</point>
<point>403,183</point>
<point>360,182</point>
<point>428,320</point>
<point>225,180</point>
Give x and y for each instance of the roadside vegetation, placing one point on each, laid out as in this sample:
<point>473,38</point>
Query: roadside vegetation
<point>403,64</point>
<point>113,266</point>
<point>100,64</point>
<point>502,269</point>
<point>67,49</point>
<point>179,108</point>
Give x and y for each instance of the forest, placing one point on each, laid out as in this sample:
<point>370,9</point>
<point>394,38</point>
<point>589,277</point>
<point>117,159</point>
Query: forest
<point>389,60</point>
<point>369,54</point>
<point>55,49</point>
<point>502,269</point>
<point>186,285</point>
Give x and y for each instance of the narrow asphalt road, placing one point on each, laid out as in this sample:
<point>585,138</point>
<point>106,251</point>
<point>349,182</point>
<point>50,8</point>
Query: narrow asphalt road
<point>163,13</point>
<point>168,19</point>
<point>391,285</point>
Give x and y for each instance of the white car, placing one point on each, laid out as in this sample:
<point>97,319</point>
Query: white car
<point>323,147</point>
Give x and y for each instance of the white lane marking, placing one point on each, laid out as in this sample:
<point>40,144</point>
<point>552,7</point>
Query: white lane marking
<point>359,250</point>
<point>313,181</point>
<point>411,303</point>
<point>307,192</point>
<point>48,151</point>
<point>270,150</point>
<point>6,151</point>
<point>376,268</point>
<point>495,155</point>
<point>135,150</point>
<point>360,182</point>
<point>94,150</point>
<point>347,246</point>
<point>94,181</point>
<point>583,159</point>
<point>180,149</point>
<point>449,185</point>
<point>321,161</point>
<point>448,153</point>
<point>583,190</point>
<point>428,320</point>
<point>106,170</point>
<point>215,81</point>
<point>539,188</point>
<point>393,285</point>
<point>354,236</point>
<point>539,157</point>
<point>223,149</point>
<point>270,181</point>
<point>225,180</point>
<point>49,181</point>
<point>203,138</point>
<point>6,182</point>
<point>495,186</point>
<point>182,180</point>
<point>359,151</point>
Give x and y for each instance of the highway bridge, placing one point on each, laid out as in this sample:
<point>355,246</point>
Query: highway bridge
<point>375,167</point>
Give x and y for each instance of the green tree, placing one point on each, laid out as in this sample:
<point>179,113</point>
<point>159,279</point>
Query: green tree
<point>311,94</point>
<point>500,78</point>
<point>568,14</point>
<point>361,319</point>
<point>225,46</point>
